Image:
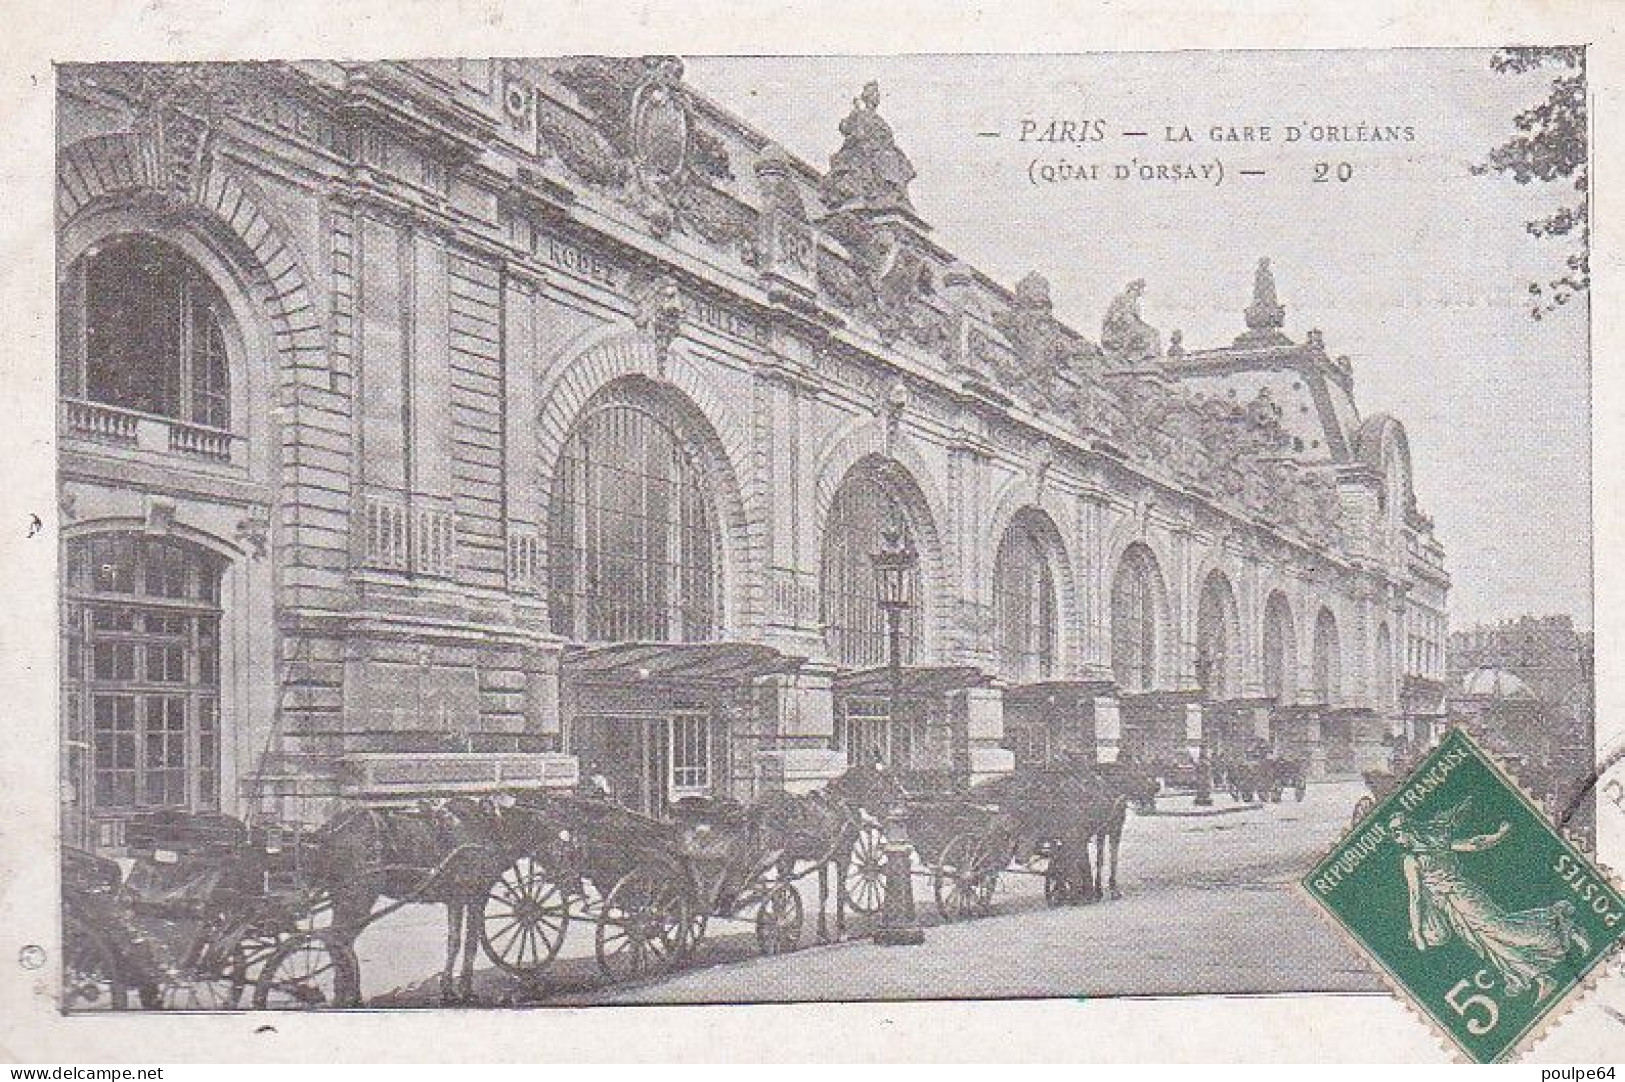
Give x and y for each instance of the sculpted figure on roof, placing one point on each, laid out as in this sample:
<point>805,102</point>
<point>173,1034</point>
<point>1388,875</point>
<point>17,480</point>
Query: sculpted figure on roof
<point>1124,334</point>
<point>868,171</point>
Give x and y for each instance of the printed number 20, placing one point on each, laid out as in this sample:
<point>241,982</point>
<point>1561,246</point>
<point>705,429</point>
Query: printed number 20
<point>1325,171</point>
<point>1477,1025</point>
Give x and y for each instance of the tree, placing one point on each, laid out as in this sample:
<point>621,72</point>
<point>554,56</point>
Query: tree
<point>1551,145</point>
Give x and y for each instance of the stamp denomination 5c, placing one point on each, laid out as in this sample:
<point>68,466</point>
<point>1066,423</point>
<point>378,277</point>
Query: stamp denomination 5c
<point>1469,901</point>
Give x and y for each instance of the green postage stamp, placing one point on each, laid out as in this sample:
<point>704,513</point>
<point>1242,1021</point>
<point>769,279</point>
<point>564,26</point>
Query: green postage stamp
<point>1469,901</point>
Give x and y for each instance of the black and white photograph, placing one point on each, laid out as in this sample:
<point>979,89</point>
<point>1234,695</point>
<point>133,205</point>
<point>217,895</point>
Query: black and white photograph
<point>586,530</point>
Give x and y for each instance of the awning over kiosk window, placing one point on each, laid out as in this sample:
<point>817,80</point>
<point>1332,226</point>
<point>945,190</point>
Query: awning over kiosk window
<point>1056,692</point>
<point>917,680</point>
<point>697,664</point>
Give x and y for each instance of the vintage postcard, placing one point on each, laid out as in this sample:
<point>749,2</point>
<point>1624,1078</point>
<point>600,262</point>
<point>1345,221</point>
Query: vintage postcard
<point>850,530</point>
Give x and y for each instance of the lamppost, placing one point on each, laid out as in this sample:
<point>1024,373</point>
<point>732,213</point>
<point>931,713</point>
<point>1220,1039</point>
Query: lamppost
<point>1205,663</point>
<point>894,588</point>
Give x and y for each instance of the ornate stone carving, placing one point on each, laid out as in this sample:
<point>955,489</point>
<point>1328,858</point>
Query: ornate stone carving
<point>1266,312</point>
<point>254,532</point>
<point>660,314</point>
<point>643,142</point>
<point>868,172</point>
<point>1124,335</point>
<point>1045,350</point>
<point>1265,315</point>
<point>779,191</point>
<point>175,108</point>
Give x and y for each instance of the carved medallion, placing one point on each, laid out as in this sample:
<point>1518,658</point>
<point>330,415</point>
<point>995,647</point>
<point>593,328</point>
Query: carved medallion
<point>660,125</point>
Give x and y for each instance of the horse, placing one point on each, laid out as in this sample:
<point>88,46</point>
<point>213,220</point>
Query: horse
<point>1078,813</point>
<point>1125,784</point>
<point>822,827</point>
<point>448,853</point>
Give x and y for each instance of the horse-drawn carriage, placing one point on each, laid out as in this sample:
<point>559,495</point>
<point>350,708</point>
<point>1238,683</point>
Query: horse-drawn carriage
<point>649,887</point>
<point>1378,783</point>
<point>218,914</point>
<point>1036,821</point>
<point>209,916</point>
<point>1265,776</point>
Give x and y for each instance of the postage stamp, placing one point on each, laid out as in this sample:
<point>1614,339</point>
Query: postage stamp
<point>1469,901</point>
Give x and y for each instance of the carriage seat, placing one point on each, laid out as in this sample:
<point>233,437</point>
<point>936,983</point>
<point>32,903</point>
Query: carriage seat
<point>716,811</point>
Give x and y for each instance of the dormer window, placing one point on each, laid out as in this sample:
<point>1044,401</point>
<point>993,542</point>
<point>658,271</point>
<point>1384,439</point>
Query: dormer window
<point>144,337</point>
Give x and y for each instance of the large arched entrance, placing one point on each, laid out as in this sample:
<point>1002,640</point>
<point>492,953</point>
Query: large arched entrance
<point>1226,729</point>
<point>636,560</point>
<point>1337,726</point>
<point>903,719</point>
<point>1045,714</point>
<point>1152,724</point>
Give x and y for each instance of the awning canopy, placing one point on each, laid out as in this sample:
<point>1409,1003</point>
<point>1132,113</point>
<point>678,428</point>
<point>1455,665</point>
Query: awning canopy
<point>917,680</point>
<point>708,664</point>
<point>1055,692</point>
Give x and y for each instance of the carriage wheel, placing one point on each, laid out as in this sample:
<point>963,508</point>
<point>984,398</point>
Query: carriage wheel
<point>866,875</point>
<point>778,920</point>
<point>963,880</point>
<point>1362,808</point>
<point>90,970</point>
<point>226,989</point>
<point>643,926</point>
<point>523,918</point>
<point>310,971</point>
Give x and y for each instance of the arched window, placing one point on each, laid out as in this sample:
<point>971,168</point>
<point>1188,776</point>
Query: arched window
<point>1280,651</point>
<point>854,625</point>
<point>141,672</point>
<point>1136,610</point>
<point>1024,601</point>
<point>1217,638</point>
<point>632,534</point>
<point>143,330</point>
<point>1327,675</point>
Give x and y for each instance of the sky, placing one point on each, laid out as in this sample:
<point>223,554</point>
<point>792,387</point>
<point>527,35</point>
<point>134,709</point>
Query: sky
<point>1414,267</point>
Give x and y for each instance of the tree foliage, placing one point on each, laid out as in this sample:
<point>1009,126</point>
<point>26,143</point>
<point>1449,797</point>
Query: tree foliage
<point>1551,146</point>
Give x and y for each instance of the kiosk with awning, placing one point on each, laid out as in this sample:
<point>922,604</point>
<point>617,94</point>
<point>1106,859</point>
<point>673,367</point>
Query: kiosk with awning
<point>653,723</point>
<point>1049,719</point>
<point>940,712</point>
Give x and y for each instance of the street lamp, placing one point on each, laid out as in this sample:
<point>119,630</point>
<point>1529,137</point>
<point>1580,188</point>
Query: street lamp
<point>894,591</point>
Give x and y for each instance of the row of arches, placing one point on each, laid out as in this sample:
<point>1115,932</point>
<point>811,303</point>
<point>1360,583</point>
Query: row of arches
<point>638,551</point>
<point>635,538</point>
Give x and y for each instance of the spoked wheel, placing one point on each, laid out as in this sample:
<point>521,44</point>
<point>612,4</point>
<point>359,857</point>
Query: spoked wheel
<point>778,920</point>
<point>523,919</point>
<point>1362,808</point>
<point>643,927</point>
<point>90,971</point>
<point>866,875</point>
<point>310,971</point>
<point>226,988</point>
<point>964,879</point>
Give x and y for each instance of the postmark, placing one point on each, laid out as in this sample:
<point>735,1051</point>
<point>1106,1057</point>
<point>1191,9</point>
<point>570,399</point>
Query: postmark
<point>1469,902</point>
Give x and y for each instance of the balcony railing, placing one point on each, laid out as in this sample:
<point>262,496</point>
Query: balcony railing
<point>99,422</point>
<point>144,431</point>
<point>198,440</point>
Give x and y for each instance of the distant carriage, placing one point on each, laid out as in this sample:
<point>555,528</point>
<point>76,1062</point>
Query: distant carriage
<point>1265,777</point>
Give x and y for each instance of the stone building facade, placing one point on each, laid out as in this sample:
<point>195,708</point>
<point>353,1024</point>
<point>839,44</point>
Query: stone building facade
<point>447,424</point>
<point>1525,688</point>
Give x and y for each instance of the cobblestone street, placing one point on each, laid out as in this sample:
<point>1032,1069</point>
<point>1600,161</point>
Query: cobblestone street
<point>1208,906</point>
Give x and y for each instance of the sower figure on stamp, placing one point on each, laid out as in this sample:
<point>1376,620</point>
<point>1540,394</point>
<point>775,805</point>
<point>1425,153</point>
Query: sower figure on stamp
<point>1521,947</point>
